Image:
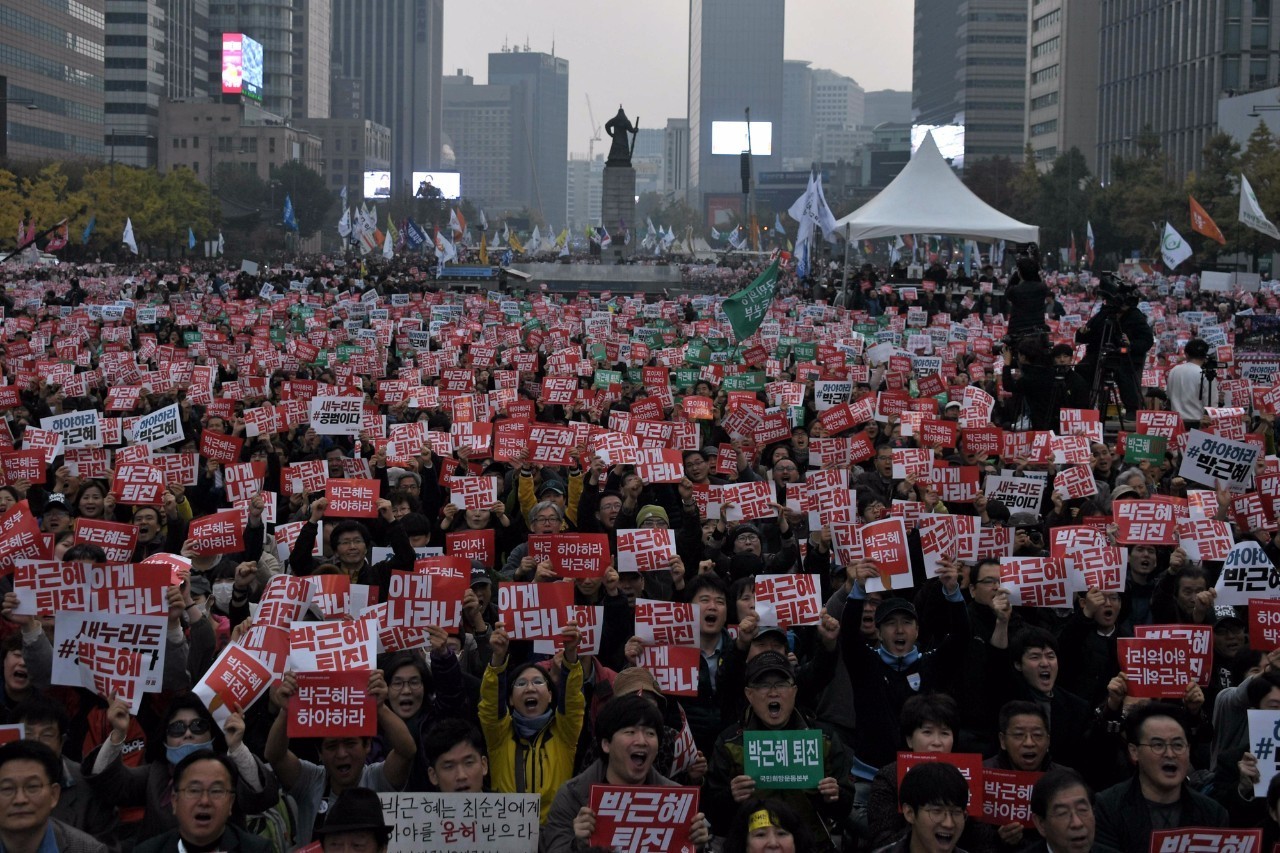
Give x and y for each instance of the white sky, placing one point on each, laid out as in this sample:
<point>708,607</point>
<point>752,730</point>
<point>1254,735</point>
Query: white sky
<point>619,55</point>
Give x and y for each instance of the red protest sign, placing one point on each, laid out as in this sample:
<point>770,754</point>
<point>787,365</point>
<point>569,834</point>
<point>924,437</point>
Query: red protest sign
<point>647,549</point>
<point>138,484</point>
<point>333,704</point>
<point>351,498</point>
<point>473,492</point>
<point>235,681</point>
<point>666,623</point>
<point>550,444</point>
<point>510,440</point>
<point>535,611</point>
<point>1264,624</point>
<point>1145,523</point>
<point>116,539</point>
<point>787,600</point>
<point>219,533</point>
<point>884,542</point>
<point>1035,582</point>
<point>675,668</point>
<point>938,433</point>
<point>969,765</point>
<point>983,441</point>
<point>20,538</point>
<point>573,555</point>
<point>659,465</point>
<point>26,465</point>
<point>420,600</point>
<point>472,545</point>
<point>1006,796</point>
<point>1199,636</point>
<point>220,448</point>
<point>643,819</point>
<point>1156,668</point>
<point>1205,839</point>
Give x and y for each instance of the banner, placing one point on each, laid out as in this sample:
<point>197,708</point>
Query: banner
<point>747,308</point>
<point>235,681</point>
<point>462,822</point>
<point>790,758</point>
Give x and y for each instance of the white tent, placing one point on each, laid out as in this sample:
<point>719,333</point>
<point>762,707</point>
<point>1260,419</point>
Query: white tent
<point>928,198</point>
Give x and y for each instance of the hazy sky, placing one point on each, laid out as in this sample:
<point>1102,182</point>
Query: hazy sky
<point>637,53</point>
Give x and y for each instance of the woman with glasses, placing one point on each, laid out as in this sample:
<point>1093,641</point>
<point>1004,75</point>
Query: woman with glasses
<point>423,696</point>
<point>188,728</point>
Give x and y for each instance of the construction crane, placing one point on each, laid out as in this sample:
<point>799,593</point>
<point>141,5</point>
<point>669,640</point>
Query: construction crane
<point>595,131</point>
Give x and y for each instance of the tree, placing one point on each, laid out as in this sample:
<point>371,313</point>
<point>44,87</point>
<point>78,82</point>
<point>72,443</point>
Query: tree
<point>306,189</point>
<point>1216,187</point>
<point>1139,200</point>
<point>1066,196</point>
<point>992,180</point>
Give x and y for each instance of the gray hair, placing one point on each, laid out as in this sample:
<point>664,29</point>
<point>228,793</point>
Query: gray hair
<point>542,505</point>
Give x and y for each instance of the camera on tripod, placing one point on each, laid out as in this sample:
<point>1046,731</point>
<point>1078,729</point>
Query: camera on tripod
<point>1210,367</point>
<point>1117,293</point>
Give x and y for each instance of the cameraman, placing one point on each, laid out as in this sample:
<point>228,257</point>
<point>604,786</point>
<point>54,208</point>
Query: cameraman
<point>1027,296</point>
<point>1043,382</point>
<point>1190,384</point>
<point>1117,336</point>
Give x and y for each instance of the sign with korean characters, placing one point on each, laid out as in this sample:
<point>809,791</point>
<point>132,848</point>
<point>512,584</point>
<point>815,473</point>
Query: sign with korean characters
<point>1247,573</point>
<point>462,822</point>
<point>644,819</point>
<point>1212,460</point>
<point>783,759</point>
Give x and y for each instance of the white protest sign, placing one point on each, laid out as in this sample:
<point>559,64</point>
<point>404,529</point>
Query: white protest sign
<point>1019,494</point>
<point>336,415</point>
<point>462,822</point>
<point>1210,459</point>
<point>143,634</point>
<point>78,429</point>
<point>828,393</point>
<point>1264,737</point>
<point>1247,573</point>
<point>160,428</point>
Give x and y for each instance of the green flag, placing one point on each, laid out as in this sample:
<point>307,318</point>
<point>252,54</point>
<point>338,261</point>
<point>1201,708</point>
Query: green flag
<point>746,308</point>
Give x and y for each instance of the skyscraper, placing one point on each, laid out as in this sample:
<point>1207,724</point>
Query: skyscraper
<point>886,105</point>
<point>51,55</point>
<point>395,49</point>
<point>479,123</point>
<point>796,138</point>
<point>155,50</point>
<point>735,63</point>
<point>541,150</point>
<point>1062,80</point>
<point>675,174</point>
<point>269,22</point>
<point>312,57</point>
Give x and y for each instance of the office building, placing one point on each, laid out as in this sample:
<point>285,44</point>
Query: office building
<point>1062,80</point>
<point>154,51</point>
<point>480,125</point>
<point>395,49</point>
<point>202,136</point>
<point>270,23</point>
<point>795,140</point>
<point>838,101</point>
<point>886,105</point>
<point>584,191</point>
<point>1166,65</point>
<point>970,67</point>
<point>675,175</point>
<point>541,149</point>
<point>312,57</point>
<point>51,58</point>
<point>735,62</point>
<point>348,149</point>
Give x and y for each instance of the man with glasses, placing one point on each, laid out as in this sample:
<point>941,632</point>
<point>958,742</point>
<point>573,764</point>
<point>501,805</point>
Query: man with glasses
<point>545,518</point>
<point>1062,810</point>
<point>934,797</point>
<point>1157,797</point>
<point>29,791</point>
<point>44,721</point>
<point>771,695</point>
<point>204,787</point>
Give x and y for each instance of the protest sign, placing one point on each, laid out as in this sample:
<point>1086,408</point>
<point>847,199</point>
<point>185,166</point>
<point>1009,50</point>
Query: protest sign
<point>1146,522</point>
<point>1212,460</point>
<point>330,415</point>
<point>646,549</point>
<point>535,611</point>
<point>117,540</point>
<point>220,448</point>
<point>160,428</point>
<point>674,668</point>
<point>463,822</point>
<point>589,620</point>
<point>473,492</point>
<point>1006,796</point>
<point>138,589</point>
<point>787,600</point>
<point>45,587</point>
<point>144,635</point>
<point>138,484</point>
<point>1204,839</point>
<point>332,646</point>
<point>1264,624</point>
<point>1199,636</point>
<point>779,759</point>
<point>78,429</point>
<point>284,599</point>
<point>1144,448</point>
<point>1036,582</point>
<point>884,542</point>
<point>747,501</point>
<point>666,623</point>
<point>1247,573</point>
<point>969,765</point>
<point>476,545</point>
<point>422,599</point>
<point>235,681</point>
<point>643,819</point>
<point>1156,667</point>
<point>1205,539</point>
<point>1019,494</point>
<point>573,555</point>
<point>219,533</point>
<point>112,672</point>
<point>351,498</point>
<point>333,704</point>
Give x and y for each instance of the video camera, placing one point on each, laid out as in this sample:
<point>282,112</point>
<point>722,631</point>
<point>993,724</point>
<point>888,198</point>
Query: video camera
<point>1117,293</point>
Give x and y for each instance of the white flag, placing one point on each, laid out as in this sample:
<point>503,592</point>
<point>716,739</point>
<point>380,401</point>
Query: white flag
<point>1251,212</point>
<point>388,250</point>
<point>344,224</point>
<point>222,244</point>
<point>484,223</point>
<point>1173,249</point>
<point>128,236</point>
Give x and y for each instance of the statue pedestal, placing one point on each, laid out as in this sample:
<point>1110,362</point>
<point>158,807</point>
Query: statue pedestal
<point>618,206</point>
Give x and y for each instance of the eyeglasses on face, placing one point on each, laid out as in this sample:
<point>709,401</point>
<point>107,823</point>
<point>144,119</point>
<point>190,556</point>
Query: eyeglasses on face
<point>199,792</point>
<point>939,812</point>
<point>31,788</point>
<point>406,684</point>
<point>1161,747</point>
<point>773,686</point>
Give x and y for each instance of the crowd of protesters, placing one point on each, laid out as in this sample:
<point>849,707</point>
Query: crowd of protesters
<point>941,664</point>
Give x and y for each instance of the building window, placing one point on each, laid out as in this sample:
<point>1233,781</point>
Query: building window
<point>195,167</point>
<point>1044,101</point>
<point>337,144</point>
<point>271,145</point>
<point>175,142</point>
<point>1044,75</point>
<point>1043,127</point>
<point>195,142</point>
<point>1257,73</point>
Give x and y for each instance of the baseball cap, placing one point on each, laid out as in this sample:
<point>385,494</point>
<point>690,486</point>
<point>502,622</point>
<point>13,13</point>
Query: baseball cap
<point>890,606</point>
<point>480,576</point>
<point>550,485</point>
<point>56,501</point>
<point>1224,613</point>
<point>767,663</point>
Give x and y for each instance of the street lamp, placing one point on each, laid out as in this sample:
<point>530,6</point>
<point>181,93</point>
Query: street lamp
<point>4,120</point>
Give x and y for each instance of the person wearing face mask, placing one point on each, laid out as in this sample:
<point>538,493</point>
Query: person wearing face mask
<point>628,734</point>
<point>188,728</point>
<point>530,727</point>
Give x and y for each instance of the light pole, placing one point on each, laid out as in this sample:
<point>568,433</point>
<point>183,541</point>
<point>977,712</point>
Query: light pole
<point>5,101</point>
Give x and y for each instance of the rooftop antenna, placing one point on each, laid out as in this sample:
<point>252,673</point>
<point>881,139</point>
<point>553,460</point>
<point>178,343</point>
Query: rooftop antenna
<point>504,44</point>
<point>553,42</point>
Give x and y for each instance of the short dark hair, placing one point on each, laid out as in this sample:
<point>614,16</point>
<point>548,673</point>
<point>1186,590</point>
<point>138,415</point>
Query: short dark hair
<point>780,814</point>
<point>1032,638</point>
<point>33,750</point>
<point>938,708</point>
<point>344,527</point>
<point>448,733</point>
<point>1053,783</point>
<point>1019,708</point>
<point>621,712</point>
<point>933,783</point>
<point>1260,685</point>
<point>1196,348</point>
<point>713,582</point>
<point>184,765</point>
<point>85,551</point>
<point>1138,717</point>
<point>41,709</point>
<point>983,563</point>
<point>415,524</point>
<point>1061,350</point>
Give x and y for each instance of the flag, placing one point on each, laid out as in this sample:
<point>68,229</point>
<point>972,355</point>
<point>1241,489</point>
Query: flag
<point>777,225</point>
<point>514,242</point>
<point>445,251</point>
<point>414,235</point>
<point>389,242</point>
<point>484,254</point>
<point>222,244</point>
<point>1088,243</point>
<point>605,240</point>
<point>562,239</point>
<point>716,235</point>
<point>747,308</point>
<point>58,240</point>
<point>1173,249</point>
<point>1251,212</point>
<point>344,224</point>
<point>564,249</point>
<point>88,230</point>
<point>289,220</point>
<point>484,223</point>
<point>1071,256</point>
<point>1202,222</point>
<point>506,233</point>
<point>802,262</point>
<point>128,236</point>
<point>738,239</point>
<point>191,238</point>
<point>811,209</point>
<point>456,223</point>
<point>895,253</point>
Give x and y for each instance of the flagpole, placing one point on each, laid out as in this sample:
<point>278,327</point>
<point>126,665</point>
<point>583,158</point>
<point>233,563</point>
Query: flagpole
<point>844,274</point>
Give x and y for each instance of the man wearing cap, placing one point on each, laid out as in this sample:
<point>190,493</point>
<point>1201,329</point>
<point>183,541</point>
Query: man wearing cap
<point>813,676</point>
<point>629,734</point>
<point>550,487</point>
<point>771,697</point>
<point>57,516</point>
<point>884,677</point>
<point>355,824</point>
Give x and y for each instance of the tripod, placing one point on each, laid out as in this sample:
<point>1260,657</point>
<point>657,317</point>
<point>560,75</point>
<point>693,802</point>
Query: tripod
<point>1111,361</point>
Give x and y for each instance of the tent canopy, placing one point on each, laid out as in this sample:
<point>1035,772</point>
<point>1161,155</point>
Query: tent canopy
<point>928,198</point>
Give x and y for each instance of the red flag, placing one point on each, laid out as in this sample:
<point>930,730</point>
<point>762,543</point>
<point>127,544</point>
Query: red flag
<point>1202,222</point>
<point>1071,256</point>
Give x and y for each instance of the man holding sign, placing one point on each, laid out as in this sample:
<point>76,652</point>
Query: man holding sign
<point>776,735</point>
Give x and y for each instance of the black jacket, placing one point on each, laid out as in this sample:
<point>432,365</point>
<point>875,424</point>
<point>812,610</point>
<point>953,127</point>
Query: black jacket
<point>1125,824</point>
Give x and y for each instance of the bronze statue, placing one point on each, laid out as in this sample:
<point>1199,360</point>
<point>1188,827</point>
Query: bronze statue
<point>618,127</point>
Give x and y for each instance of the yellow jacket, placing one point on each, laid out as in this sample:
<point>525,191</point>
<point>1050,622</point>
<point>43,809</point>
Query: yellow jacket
<point>529,496</point>
<point>548,757</point>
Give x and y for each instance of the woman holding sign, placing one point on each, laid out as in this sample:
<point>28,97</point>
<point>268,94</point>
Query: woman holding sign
<point>533,735</point>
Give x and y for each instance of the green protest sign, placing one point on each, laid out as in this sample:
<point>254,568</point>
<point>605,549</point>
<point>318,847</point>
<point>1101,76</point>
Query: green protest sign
<point>806,351</point>
<point>699,354</point>
<point>783,759</point>
<point>189,338</point>
<point>605,378</point>
<point>753,381</point>
<point>1144,448</point>
<point>685,377</point>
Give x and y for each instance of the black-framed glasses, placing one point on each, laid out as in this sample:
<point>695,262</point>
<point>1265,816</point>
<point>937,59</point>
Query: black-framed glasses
<point>178,728</point>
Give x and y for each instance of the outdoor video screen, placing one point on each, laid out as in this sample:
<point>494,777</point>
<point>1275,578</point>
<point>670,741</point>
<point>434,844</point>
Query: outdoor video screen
<point>241,66</point>
<point>448,183</point>
<point>377,185</point>
<point>730,137</point>
<point>949,138</point>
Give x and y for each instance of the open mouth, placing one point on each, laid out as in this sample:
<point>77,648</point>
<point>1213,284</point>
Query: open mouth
<point>343,770</point>
<point>945,840</point>
<point>406,706</point>
<point>20,675</point>
<point>638,760</point>
<point>1030,759</point>
<point>710,619</point>
<point>203,818</point>
<point>774,712</point>
<point>1170,769</point>
<point>531,705</point>
<point>1045,678</point>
